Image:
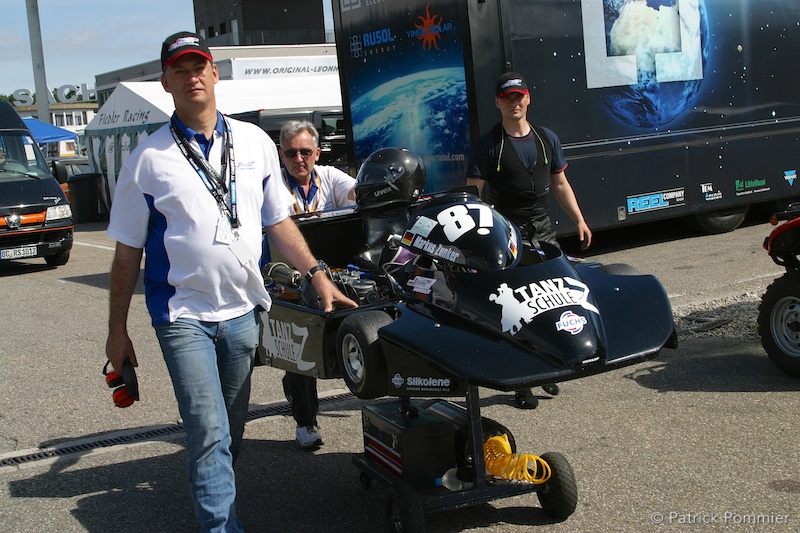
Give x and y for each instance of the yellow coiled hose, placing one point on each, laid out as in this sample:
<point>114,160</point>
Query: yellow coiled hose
<point>503,464</point>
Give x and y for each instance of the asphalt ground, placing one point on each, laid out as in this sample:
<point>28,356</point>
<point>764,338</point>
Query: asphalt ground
<point>702,438</point>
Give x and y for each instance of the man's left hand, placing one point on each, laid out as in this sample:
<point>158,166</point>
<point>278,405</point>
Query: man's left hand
<point>328,293</point>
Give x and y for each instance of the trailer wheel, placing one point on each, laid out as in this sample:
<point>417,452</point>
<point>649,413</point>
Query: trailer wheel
<point>559,495</point>
<point>779,323</point>
<point>360,353</point>
<point>404,509</point>
<point>721,221</point>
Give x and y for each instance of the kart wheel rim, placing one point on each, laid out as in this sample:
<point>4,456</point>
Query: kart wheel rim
<point>785,325</point>
<point>353,358</point>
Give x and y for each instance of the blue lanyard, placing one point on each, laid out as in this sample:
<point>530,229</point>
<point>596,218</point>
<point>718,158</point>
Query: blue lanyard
<point>312,191</point>
<point>213,181</point>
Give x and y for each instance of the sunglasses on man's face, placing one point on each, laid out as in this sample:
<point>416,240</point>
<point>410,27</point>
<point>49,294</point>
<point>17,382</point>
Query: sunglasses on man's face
<point>291,153</point>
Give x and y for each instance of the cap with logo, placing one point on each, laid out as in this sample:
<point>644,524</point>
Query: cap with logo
<point>511,82</point>
<point>180,44</point>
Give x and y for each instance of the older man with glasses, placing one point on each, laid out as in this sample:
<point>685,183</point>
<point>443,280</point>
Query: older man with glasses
<point>314,188</point>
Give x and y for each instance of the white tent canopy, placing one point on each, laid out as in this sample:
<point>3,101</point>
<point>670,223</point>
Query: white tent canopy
<point>136,109</point>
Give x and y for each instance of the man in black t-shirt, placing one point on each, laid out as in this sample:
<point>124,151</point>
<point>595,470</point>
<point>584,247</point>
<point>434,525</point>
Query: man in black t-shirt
<point>515,166</point>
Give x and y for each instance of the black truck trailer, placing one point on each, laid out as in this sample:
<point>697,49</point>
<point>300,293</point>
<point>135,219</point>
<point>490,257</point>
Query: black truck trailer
<point>665,108</point>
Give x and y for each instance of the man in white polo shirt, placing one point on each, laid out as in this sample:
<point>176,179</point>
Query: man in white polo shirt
<point>195,195</point>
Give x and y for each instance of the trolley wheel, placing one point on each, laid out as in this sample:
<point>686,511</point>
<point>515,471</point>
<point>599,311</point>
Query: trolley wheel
<point>551,389</point>
<point>365,480</point>
<point>360,353</point>
<point>559,495</point>
<point>404,509</point>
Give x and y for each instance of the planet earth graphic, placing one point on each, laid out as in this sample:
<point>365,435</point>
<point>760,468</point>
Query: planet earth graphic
<point>644,28</point>
<point>425,112</point>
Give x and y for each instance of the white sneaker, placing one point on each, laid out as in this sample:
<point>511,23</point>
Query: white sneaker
<point>308,437</point>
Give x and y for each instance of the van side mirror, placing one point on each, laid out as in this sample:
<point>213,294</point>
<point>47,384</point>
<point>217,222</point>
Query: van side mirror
<point>59,170</point>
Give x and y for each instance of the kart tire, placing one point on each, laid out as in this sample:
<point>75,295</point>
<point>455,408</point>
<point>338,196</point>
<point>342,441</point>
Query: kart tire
<point>559,494</point>
<point>779,323</point>
<point>404,509</point>
<point>361,355</point>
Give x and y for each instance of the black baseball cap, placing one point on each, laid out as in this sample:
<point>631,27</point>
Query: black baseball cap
<point>180,44</point>
<point>511,82</point>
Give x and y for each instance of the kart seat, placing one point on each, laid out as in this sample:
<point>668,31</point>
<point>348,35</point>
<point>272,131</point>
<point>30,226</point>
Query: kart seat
<point>378,227</point>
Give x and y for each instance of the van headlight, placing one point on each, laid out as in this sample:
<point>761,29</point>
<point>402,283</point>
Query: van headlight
<point>58,212</point>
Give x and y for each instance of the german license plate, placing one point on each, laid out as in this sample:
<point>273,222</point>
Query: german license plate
<point>18,253</point>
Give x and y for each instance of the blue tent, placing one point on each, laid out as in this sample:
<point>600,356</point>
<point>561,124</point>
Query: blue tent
<point>47,133</point>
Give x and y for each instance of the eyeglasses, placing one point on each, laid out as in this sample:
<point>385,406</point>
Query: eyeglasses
<point>291,153</point>
<point>196,72</point>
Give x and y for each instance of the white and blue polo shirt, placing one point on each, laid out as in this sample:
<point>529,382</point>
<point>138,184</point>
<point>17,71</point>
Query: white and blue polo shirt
<point>161,204</point>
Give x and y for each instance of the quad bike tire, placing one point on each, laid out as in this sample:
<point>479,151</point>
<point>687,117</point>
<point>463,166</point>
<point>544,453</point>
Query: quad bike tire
<point>559,494</point>
<point>361,355</point>
<point>404,509</point>
<point>779,323</point>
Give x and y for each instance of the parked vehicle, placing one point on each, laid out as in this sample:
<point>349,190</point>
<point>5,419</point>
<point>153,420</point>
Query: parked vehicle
<point>65,168</point>
<point>779,311</point>
<point>35,216</point>
<point>664,108</point>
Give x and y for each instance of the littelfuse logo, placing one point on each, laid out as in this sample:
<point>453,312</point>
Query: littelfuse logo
<point>603,70</point>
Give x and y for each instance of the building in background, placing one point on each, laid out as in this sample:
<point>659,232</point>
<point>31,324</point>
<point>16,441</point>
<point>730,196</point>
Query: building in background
<point>70,112</point>
<point>250,39</point>
<point>254,22</point>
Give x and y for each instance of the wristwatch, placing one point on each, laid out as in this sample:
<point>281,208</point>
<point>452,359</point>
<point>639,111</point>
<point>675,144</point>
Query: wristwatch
<point>319,266</point>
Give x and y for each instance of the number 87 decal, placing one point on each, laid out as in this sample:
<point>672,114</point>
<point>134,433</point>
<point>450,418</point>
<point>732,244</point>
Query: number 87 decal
<point>457,220</point>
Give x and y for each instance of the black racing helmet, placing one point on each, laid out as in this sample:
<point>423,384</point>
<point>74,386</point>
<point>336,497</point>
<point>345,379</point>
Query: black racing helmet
<point>464,233</point>
<point>389,175</point>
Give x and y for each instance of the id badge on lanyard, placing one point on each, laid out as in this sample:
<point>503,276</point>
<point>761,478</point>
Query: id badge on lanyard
<point>228,222</point>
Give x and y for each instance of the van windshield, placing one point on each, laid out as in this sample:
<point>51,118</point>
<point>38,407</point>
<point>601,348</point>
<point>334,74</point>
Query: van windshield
<point>19,155</point>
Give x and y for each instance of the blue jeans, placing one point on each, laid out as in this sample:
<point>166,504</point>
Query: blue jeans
<point>210,365</point>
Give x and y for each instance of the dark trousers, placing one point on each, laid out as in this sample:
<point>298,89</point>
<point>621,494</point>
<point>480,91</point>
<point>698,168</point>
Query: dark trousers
<point>538,228</point>
<point>302,391</point>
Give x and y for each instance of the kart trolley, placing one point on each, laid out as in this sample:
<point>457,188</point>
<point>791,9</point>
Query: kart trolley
<point>425,434</point>
<point>410,443</point>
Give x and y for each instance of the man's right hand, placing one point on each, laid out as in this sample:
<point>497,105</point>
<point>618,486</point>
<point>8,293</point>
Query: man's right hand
<point>119,347</point>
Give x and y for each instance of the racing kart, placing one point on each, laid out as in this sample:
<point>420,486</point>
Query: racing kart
<point>779,311</point>
<point>452,300</point>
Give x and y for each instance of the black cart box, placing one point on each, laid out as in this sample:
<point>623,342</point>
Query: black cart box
<point>416,449</point>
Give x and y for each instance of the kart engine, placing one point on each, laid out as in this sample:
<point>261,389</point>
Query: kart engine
<point>285,283</point>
